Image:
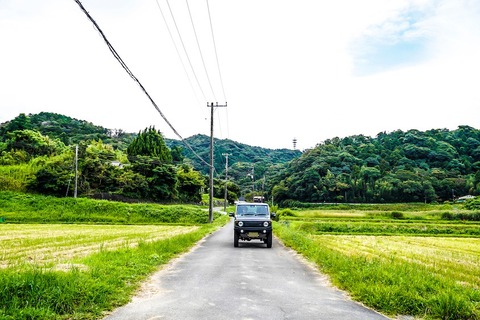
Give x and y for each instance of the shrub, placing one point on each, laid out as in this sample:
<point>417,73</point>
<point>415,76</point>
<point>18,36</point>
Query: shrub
<point>473,204</point>
<point>396,215</point>
<point>474,216</point>
<point>448,216</point>
<point>285,213</point>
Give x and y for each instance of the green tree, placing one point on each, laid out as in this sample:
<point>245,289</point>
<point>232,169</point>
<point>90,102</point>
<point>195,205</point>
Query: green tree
<point>33,143</point>
<point>97,172</point>
<point>161,178</point>
<point>190,184</point>
<point>55,177</point>
<point>132,185</point>
<point>150,143</point>
<point>21,122</point>
<point>177,156</point>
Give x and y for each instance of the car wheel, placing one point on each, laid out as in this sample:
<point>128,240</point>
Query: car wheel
<point>235,239</point>
<point>269,240</point>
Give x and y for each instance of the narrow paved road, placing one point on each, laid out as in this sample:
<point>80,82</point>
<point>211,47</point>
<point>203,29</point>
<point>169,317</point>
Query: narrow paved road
<point>218,281</point>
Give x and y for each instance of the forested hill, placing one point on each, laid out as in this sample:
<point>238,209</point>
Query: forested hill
<point>66,129</point>
<point>435,165</point>
<point>71,131</point>
<point>238,153</point>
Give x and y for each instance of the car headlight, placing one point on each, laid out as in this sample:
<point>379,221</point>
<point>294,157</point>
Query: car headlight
<point>266,223</point>
<point>240,223</point>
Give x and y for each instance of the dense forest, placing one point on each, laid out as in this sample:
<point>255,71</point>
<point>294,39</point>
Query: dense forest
<point>37,152</point>
<point>413,166</point>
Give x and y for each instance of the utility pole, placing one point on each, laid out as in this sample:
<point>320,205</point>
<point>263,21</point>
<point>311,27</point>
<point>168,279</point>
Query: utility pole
<point>76,172</point>
<point>210,202</point>
<point>226,180</point>
<point>253,179</point>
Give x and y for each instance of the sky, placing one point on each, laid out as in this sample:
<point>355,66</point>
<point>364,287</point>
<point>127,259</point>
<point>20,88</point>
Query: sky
<point>308,70</point>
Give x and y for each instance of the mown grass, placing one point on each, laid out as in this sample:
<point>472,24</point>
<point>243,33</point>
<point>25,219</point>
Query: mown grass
<point>106,280</point>
<point>57,245</point>
<point>408,262</point>
<point>66,269</point>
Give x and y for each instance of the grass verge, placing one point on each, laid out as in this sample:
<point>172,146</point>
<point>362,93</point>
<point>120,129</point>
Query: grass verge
<point>30,208</point>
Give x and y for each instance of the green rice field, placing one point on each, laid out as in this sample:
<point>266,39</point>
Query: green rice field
<point>414,263</point>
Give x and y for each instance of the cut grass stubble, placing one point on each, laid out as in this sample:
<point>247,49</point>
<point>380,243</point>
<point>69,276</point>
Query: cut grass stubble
<point>108,276</point>
<point>48,245</point>
<point>398,275</point>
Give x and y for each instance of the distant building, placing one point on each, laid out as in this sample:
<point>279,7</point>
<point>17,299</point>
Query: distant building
<point>465,198</point>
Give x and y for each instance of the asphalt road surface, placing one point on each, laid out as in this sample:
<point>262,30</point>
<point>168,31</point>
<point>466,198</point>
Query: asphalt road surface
<point>217,281</point>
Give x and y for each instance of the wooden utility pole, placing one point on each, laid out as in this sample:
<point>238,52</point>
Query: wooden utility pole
<point>226,180</point>
<point>210,201</point>
<point>76,172</point>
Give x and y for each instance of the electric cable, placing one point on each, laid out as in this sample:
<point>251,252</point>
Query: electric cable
<point>218,63</point>
<point>185,50</point>
<point>129,72</point>
<point>178,52</point>
<point>216,54</point>
<point>200,50</point>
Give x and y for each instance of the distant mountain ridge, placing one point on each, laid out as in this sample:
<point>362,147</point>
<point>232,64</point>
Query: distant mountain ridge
<point>238,152</point>
<point>400,166</point>
<point>71,131</point>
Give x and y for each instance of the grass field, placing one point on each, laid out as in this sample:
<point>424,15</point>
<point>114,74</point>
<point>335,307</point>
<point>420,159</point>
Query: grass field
<point>66,269</point>
<point>59,245</point>
<point>78,258</point>
<point>412,262</point>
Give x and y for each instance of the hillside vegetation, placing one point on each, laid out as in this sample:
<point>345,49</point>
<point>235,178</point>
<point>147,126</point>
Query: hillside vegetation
<point>413,166</point>
<point>36,154</point>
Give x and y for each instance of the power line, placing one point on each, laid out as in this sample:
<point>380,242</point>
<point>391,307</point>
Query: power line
<point>218,63</point>
<point>176,49</point>
<point>125,67</point>
<point>185,49</point>
<point>200,50</point>
<point>216,54</point>
<point>198,46</point>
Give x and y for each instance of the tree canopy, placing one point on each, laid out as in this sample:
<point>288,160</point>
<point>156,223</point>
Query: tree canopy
<point>150,143</point>
<point>400,166</point>
<point>435,165</point>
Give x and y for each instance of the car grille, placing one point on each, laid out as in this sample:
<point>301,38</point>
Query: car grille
<point>253,223</point>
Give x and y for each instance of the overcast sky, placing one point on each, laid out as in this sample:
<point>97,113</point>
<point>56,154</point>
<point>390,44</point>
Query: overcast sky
<point>305,69</point>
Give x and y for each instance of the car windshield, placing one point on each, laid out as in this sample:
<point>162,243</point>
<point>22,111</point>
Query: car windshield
<point>252,210</point>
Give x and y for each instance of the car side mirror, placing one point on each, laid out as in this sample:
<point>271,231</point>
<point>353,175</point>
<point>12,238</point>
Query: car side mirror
<point>231,214</point>
<point>273,214</point>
